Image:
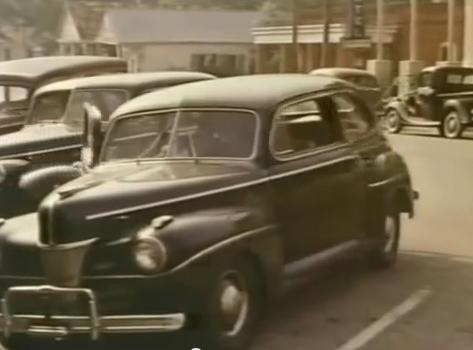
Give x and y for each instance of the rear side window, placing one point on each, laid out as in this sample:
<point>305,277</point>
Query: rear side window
<point>355,120</point>
<point>301,128</point>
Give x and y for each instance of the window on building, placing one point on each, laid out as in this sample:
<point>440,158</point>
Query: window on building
<point>220,64</point>
<point>301,128</point>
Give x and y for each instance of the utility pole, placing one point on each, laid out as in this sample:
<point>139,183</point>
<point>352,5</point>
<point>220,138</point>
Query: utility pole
<point>379,29</point>
<point>295,35</point>
<point>451,52</point>
<point>326,34</point>
<point>413,45</point>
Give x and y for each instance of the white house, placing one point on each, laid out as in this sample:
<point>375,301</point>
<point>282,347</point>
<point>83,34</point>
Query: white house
<point>151,39</point>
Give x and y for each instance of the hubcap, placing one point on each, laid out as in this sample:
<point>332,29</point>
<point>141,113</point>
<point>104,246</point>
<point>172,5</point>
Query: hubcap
<point>393,121</point>
<point>390,231</point>
<point>452,125</point>
<point>234,303</point>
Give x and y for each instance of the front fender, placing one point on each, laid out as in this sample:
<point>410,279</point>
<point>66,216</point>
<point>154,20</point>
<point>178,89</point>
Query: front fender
<point>400,108</point>
<point>460,108</point>
<point>37,184</point>
<point>205,240</point>
<point>11,170</point>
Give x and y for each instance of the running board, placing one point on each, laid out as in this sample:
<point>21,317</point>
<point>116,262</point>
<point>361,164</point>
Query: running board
<point>312,262</point>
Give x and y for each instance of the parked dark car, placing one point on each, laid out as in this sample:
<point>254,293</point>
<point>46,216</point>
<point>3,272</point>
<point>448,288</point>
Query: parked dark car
<point>53,132</point>
<point>366,82</point>
<point>443,100</point>
<point>204,200</point>
<point>20,78</point>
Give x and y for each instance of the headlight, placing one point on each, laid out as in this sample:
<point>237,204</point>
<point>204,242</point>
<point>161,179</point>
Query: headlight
<point>150,255</point>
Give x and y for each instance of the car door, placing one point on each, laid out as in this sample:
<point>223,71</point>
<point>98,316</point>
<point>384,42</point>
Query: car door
<point>314,177</point>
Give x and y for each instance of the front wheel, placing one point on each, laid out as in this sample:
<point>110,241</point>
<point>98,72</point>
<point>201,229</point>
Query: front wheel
<point>393,121</point>
<point>452,127</point>
<point>234,308</point>
<point>387,246</point>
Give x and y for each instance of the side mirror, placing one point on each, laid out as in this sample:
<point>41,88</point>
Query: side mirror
<point>92,137</point>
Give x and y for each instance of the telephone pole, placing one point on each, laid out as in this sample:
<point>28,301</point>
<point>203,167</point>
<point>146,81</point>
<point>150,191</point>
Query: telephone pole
<point>295,35</point>
<point>326,35</point>
<point>451,49</point>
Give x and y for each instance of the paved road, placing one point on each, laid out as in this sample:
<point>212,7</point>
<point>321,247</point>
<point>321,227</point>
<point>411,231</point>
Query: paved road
<point>422,304</point>
<point>352,307</point>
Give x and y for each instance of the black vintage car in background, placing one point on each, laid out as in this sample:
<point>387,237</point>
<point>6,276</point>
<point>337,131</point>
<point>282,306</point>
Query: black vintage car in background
<point>202,201</point>
<point>366,83</point>
<point>42,152</point>
<point>443,100</point>
<point>20,78</point>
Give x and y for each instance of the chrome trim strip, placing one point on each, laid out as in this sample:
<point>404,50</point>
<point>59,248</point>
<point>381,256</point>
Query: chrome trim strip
<point>194,258</point>
<point>455,94</point>
<point>385,181</point>
<point>68,246</point>
<point>313,167</point>
<point>218,191</point>
<point>175,200</point>
<point>34,153</point>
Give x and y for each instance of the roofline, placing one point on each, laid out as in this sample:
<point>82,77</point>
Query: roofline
<point>249,43</point>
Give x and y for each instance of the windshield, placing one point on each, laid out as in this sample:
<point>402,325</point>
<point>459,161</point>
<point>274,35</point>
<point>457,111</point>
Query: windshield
<point>64,107</point>
<point>13,97</point>
<point>185,134</point>
<point>49,107</point>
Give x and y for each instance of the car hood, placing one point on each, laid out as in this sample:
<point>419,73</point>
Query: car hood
<point>119,196</point>
<point>37,138</point>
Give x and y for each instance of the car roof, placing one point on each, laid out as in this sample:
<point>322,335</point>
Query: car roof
<point>453,69</point>
<point>341,72</point>
<point>260,93</point>
<point>32,71</point>
<point>127,81</point>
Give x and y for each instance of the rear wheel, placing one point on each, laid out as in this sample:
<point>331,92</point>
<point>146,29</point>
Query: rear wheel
<point>234,308</point>
<point>452,126</point>
<point>393,121</point>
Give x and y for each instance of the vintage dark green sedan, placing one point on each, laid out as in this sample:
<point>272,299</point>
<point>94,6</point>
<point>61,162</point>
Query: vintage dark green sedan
<point>201,201</point>
<point>51,140</point>
<point>19,79</point>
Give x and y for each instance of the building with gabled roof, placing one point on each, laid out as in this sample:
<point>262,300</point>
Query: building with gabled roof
<point>219,42</point>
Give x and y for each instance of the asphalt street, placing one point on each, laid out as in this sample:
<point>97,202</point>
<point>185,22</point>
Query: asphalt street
<point>424,303</point>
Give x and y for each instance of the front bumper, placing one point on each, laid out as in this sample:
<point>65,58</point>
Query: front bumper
<point>91,322</point>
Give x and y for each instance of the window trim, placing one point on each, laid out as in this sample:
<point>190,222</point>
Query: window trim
<point>251,157</point>
<point>314,151</point>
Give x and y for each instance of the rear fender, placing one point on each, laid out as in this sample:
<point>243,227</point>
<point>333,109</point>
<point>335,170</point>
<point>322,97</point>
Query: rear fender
<point>459,107</point>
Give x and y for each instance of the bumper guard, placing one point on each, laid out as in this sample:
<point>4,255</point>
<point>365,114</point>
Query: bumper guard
<point>55,326</point>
